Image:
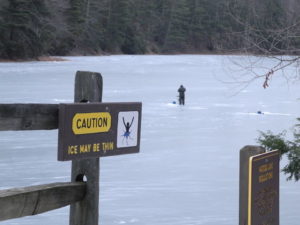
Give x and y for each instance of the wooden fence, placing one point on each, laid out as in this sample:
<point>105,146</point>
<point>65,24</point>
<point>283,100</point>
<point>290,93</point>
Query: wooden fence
<point>83,196</point>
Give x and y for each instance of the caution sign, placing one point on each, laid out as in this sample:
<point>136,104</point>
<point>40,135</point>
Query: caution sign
<point>263,195</point>
<point>91,123</point>
<point>98,129</point>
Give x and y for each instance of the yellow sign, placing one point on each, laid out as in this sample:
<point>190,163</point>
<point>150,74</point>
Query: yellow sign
<point>90,123</point>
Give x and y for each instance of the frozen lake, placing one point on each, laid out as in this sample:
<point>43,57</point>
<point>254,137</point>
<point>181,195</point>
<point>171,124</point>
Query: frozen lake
<point>187,170</point>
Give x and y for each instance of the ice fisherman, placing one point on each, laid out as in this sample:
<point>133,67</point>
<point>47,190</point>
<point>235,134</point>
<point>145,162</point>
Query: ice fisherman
<point>181,91</point>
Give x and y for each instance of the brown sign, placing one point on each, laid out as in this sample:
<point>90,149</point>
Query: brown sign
<point>98,129</point>
<point>263,196</point>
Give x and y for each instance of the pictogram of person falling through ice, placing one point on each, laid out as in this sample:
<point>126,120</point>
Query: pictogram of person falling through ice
<point>127,131</point>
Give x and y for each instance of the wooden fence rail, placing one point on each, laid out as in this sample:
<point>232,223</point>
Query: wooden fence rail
<point>28,116</point>
<point>19,202</point>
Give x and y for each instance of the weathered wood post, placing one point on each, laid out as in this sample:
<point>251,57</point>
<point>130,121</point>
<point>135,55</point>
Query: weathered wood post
<point>245,153</point>
<point>88,88</point>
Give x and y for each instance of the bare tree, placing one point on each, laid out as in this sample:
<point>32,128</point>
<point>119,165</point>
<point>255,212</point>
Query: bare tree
<point>267,29</point>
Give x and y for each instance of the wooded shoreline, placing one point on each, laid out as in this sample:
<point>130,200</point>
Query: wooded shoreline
<point>96,27</point>
<point>63,59</point>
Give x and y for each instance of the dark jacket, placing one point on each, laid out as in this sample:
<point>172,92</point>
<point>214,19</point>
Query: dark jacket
<point>181,91</point>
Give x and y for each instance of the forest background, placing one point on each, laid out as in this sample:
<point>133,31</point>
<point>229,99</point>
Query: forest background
<point>33,28</point>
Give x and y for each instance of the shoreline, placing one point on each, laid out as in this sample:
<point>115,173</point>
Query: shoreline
<point>61,59</point>
<point>39,59</point>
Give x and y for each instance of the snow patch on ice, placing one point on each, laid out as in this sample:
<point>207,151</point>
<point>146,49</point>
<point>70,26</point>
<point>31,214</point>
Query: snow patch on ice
<point>277,114</point>
<point>263,113</point>
<point>228,105</point>
<point>133,220</point>
<point>197,107</point>
<point>172,105</point>
<point>62,100</point>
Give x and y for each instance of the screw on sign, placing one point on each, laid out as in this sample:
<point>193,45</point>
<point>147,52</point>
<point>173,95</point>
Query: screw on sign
<point>263,196</point>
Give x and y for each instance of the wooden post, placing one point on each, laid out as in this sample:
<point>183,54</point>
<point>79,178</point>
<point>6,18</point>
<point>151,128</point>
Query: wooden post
<point>245,153</point>
<point>88,88</point>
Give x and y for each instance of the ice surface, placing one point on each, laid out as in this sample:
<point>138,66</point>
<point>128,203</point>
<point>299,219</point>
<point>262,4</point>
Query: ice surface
<point>187,170</point>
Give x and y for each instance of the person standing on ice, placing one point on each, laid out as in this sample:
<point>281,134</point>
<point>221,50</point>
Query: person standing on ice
<point>181,91</point>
